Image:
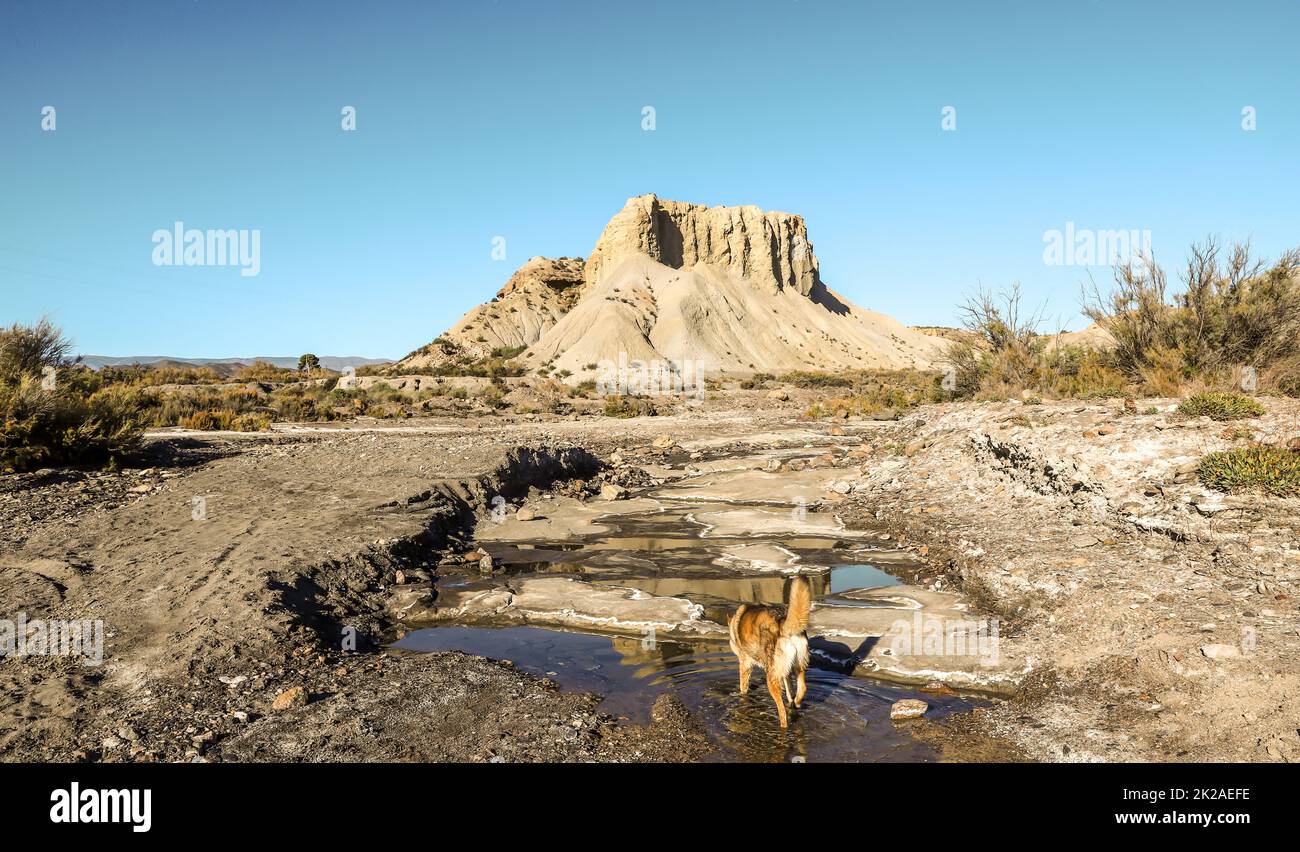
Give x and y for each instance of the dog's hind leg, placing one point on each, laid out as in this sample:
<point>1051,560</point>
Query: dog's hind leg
<point>800,689</point>
<point>774,687</point>
<point>746,667</point>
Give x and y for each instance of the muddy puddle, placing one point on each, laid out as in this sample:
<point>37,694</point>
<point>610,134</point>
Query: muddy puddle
<point>595,634</point>
<point>844,718</point>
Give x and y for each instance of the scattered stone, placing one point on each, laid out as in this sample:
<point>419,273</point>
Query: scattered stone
<point>294,696</point>
<point>778,395</point>
<point>1218,651</point>
<point>664,442</point>
<point>609,491</point>
<point>908,708</point>
<point>525,514</point>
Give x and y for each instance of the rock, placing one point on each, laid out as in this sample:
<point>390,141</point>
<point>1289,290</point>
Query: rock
<point>486,564</point>
<point>769,249</point>
<point>525,514</point>
<point>1220,652</point>
<point>908,708</point>
<point>772,465</point>
<point>609,491</point>
<point>1083,540</point>
<point>1293,444</point>
<point>664,442</point>
<point>538,294</point>
<point>913,447</point>
<point>294,696</point>
<point>836,431</point>
<point>779,395</point>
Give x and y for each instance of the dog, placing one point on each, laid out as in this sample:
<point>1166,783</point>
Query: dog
<point>776,638</point>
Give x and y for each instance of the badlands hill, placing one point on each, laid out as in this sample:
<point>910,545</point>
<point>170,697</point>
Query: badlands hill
<point>732,289</point>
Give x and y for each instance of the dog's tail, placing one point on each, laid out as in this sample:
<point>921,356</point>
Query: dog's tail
<point>797,606</point>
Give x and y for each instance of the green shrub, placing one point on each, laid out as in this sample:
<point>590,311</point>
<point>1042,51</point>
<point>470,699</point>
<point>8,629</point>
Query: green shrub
<point>1261,467</point>
<point>1220,406</point>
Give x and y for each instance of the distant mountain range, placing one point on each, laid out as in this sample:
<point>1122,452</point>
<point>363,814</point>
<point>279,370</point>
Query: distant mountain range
<point>226,365</point>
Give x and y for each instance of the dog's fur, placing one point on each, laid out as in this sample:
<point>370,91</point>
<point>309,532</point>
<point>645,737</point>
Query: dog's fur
<point>776,638</point>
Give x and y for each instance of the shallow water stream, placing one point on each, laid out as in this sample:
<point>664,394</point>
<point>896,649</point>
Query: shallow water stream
<point>689,550</point>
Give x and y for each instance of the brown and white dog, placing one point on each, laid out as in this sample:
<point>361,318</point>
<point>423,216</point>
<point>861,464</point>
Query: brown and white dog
<point>776,638</point>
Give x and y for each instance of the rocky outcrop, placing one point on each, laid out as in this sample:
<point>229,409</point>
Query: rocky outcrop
<point>768,249</point>
<point>718,289</point>
<point>534,299</point>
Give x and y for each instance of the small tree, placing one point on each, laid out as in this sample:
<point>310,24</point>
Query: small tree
<point>307,363</point>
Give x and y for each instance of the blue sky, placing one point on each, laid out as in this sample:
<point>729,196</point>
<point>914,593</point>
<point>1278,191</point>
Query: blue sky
<point>523,120</point>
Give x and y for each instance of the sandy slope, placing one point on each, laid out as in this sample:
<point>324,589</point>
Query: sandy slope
<point>645,310</point>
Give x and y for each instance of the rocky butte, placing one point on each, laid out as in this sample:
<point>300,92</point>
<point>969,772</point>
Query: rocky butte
<point>731,289</point>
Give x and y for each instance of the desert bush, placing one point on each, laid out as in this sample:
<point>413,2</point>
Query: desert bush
<point>264,371</point>
<point>77,421</point>
<point>629,406</point>
<point>1220,406</point>
<point>1006,356</point>
<point>144,375</point>
<point>491,396</point>
<point>759,381</point>
<point>874,391</point>
<point>583,390</point>
<point>1232,310</point>
<point>816,380</point>
<point>1261,467</point>
<point>26,350</point>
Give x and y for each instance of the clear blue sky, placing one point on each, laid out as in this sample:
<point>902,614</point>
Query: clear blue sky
<point>523,119</point>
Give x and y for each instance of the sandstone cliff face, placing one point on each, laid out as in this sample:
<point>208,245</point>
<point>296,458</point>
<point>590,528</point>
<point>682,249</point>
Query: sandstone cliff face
<point>768,249</point>
<point>534,299</point>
